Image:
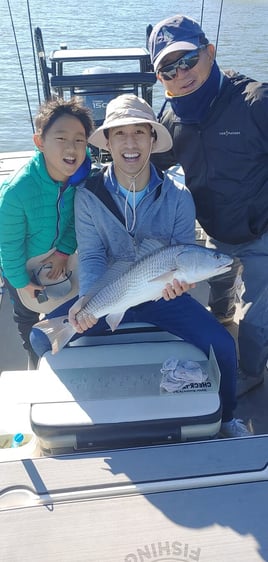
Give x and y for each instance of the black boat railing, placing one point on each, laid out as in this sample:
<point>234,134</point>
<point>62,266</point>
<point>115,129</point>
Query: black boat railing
<point>58,81</point>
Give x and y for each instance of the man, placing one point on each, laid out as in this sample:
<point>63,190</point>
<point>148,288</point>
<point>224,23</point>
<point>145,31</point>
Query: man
<point>219,124</point>
<point>142,206</point>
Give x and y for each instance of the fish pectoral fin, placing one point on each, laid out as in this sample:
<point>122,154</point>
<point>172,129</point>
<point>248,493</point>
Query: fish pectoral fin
<point>113,320</point>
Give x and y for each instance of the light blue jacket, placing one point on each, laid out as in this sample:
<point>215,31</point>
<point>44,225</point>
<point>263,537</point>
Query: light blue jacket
<point>168,216</point>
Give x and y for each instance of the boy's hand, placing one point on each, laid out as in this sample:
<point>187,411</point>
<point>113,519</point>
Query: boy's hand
<point>176,289</point>
<point>84,323</point>
<point>58,264</point>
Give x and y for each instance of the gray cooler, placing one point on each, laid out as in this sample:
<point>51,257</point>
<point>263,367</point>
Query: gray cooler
<point>105,393</point>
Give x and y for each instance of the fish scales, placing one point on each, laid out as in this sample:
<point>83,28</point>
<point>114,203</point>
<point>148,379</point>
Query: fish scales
<point>133,284</point>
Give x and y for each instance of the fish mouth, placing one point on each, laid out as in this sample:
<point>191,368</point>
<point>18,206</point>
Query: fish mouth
<point>224,268</point>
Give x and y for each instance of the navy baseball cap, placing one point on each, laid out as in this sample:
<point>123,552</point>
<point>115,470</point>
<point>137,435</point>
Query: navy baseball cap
<point>177,33</point>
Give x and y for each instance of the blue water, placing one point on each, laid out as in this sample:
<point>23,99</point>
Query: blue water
<point>242,45</point>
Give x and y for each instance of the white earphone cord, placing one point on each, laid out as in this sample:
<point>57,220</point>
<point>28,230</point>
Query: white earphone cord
<point>132,187</point>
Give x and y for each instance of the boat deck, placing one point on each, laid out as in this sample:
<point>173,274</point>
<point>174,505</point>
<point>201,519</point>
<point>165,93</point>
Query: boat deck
<point>252,408</point>
<point>11,161</point>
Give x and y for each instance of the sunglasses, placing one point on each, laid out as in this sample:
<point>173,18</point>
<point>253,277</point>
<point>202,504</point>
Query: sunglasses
<point>187,61</point>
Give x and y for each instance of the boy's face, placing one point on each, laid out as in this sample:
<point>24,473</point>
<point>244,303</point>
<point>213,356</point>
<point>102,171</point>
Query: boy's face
<point>130,147</point>
<point>63,146</point>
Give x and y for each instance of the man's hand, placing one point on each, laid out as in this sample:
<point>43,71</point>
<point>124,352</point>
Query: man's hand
<point>84,323</point>
<point>176,289</point>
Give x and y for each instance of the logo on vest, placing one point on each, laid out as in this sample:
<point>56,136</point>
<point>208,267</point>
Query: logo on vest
<point>229,133</point>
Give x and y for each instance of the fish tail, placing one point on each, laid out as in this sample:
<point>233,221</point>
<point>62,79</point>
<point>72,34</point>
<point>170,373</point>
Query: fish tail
<point>58,330</point>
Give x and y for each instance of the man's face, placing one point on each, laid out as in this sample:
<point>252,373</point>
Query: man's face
<point>188,80</point>
<point>63,146</point>
<point>130,147</point>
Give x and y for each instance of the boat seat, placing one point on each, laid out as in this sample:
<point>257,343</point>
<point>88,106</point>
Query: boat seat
<point>103,82</point>
<point>103,87</point>
<point>128,332</point>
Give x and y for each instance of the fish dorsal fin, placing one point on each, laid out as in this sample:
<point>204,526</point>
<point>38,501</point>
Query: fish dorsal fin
<point>150,245</point>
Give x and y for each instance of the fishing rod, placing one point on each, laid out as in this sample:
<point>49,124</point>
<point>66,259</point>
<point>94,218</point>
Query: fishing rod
<point>219,22</point>
<point>21,67</point>
<point>219,26</point>
<point>202,13</point>
<point>33,50</point>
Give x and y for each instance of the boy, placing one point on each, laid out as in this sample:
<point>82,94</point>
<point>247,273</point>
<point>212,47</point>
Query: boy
<point>150,206</point>
<point>36,208</point>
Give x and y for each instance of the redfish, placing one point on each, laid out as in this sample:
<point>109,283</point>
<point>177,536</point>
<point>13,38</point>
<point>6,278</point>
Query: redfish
<point>143,281</point>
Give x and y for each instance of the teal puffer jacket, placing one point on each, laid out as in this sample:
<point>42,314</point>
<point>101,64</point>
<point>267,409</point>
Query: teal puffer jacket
<point>36,214</point>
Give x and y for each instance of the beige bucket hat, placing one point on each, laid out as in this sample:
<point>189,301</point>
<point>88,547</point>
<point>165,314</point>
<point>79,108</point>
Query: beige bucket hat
<point>56,292</point>
<point>129,109</point>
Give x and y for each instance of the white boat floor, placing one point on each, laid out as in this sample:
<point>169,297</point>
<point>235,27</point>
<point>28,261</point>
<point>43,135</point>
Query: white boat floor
<point>12,161</point>
<point>252,407</point>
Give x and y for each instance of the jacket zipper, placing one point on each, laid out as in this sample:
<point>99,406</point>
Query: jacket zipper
<point>60,204</point>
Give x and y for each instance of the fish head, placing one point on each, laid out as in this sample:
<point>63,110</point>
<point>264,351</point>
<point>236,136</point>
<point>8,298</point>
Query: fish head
<point>196,263</point>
